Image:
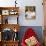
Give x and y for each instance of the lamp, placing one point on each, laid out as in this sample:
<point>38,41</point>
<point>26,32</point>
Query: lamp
<point>15,3</point>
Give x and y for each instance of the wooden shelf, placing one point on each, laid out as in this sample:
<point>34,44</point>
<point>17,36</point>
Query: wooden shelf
<point>9,26</point>
<point>9,8</point>
<point>5,12</point>
<point>9,43</point>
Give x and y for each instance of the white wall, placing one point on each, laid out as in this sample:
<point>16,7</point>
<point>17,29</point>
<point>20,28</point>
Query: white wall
<point>22,3</point>
<point>7,3</point>
<point>39,13</point>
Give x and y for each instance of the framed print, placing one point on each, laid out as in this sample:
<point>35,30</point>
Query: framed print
<point>5,12</point>
<point>30,12</point>
<point>13,12</point>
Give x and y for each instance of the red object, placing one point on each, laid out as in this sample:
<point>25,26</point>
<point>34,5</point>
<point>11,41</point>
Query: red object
<point>29,33</point>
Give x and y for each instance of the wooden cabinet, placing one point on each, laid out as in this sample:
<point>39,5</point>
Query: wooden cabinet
<point>9,23</point>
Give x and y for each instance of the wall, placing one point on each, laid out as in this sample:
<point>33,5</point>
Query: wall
<point>39,13</point>
<point>22,3</point>
<point>7,3</point>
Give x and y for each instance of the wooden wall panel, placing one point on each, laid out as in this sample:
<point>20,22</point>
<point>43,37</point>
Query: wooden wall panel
<point>44,4</point>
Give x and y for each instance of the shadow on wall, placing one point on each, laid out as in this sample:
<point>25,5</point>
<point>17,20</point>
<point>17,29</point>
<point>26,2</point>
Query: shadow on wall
<point>37,29</point>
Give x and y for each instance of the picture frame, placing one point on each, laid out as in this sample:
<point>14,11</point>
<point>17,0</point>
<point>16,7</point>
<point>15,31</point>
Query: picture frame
<point>30,12</point>
<point>13,12</point>
<point>5,12</point>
